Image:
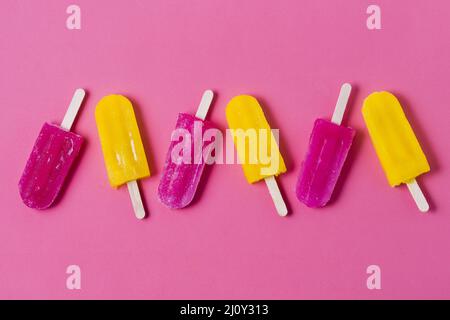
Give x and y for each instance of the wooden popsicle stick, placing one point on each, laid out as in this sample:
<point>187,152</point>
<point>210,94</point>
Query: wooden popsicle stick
<point>341,104</point>
<point>418,196</point>
<point>276,196</point>
<point>73,109</point>
<point>136,199</point>
<point>205,103</point>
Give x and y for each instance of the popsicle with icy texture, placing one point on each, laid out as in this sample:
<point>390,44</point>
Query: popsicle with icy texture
<point>54,153</point>
<point>328,148</point>
<point>182,173</point>
<point>395,143</point>
<point>122,146</point>
<point>256,145</point>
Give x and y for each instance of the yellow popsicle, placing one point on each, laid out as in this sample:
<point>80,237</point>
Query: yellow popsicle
<point>395,143</point>
<point>257,149</point>
<point>121,142</point>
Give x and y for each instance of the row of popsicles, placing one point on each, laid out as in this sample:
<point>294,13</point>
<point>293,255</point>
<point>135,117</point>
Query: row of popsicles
<point>56,149</point>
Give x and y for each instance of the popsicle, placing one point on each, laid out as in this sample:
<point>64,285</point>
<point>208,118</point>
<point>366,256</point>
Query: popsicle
<point>329,145</point>
<point>395,143</point>
<point>51,159</point>
<point>182,174</point>
<point>247,121</point>
<point>122,147</point>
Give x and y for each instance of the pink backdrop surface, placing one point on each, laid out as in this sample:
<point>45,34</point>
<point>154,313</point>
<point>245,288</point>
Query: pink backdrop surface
<point>230,244</point>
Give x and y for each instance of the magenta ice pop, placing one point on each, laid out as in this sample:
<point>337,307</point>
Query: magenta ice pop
<point>329,145</point>
<point>51,159</point>
<point>180,178</point>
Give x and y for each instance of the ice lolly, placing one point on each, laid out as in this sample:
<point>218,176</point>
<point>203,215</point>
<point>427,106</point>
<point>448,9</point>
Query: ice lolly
<point>395,143</point>
<point>328,148</point>
<point>54,153</point>
<point>122,146</point>
<point>256,145</point>
<point>182,173</point>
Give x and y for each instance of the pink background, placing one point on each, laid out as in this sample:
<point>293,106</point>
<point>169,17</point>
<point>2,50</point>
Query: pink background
<point>293,55</point>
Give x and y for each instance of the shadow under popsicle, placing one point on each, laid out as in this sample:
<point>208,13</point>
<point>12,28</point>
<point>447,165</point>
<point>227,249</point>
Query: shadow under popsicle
<point>148,150</point>
<point>77,162</point>
<point>274,125</point>
<point>425,144</point>
<point>202,185</point>
<point>146,141</point>
<point>290,167</point>
<point>352,157</point>
<point>355,150</point>
<point>208,167</point>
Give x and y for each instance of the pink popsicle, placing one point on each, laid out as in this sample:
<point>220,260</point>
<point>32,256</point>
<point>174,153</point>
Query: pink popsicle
<point>328,148</point>
<point>180,178</point>
<point>50,161</point>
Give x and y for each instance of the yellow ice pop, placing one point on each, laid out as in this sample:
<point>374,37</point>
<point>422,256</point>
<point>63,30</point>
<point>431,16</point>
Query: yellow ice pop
<point>122,146</point>
<point>395,143</point>
<point>257,148</point>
